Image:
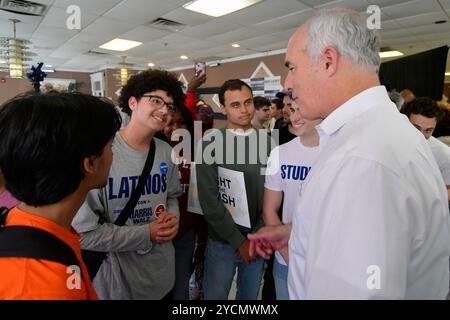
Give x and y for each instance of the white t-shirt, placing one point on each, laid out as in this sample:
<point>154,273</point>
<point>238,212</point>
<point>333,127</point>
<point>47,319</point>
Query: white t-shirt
<point>441,153</point>
<point>288,165</point>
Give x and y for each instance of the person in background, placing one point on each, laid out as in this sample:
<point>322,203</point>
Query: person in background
<point>140,263</point>
<point>424,114</point>
<point>185,240</point>
<point>51,155</point>
<point>288,167</point>
<point>407,96</point>
<point>286,131</point>
<point>262,113</point>
<point>396,98</point>
<point>227,248</point>
<point>276,114</point>
<point>191,96</point>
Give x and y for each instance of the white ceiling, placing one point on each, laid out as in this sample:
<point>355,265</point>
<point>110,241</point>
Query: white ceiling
<point>407,26</point>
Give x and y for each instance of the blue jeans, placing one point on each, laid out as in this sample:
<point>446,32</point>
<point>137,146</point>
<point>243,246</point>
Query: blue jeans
<point>184,252</point>
<point>280,275</point>
<point>220,265</point>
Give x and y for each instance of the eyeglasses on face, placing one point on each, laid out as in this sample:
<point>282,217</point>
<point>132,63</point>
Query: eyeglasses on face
<point>159,102</point>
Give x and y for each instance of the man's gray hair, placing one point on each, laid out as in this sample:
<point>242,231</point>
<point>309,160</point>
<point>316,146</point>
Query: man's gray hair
<point>347,31</point>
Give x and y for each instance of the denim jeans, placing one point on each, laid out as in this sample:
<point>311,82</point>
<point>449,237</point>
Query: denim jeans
<point>220,265</point>
<point>184,252</point>
<point>280,275</point>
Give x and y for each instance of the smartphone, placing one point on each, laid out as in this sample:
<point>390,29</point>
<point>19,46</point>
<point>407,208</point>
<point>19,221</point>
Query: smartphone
<point>200,68</point>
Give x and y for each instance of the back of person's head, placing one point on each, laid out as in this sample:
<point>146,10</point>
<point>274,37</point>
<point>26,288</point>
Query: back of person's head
<point>407,95</point>
<point>278,103</point>
<point>424,106</point>
<point>231,85</point>
<point>260,102</point>
<point>396,98</point>
<point>148,81</point>
<point>44,140</point>
<point>347,31</point>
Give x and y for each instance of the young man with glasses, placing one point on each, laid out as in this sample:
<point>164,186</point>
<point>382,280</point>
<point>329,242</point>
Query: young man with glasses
<point>140,263</point>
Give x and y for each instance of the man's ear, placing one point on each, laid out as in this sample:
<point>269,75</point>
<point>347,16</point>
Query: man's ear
<point>132,103</point>
<point>89,165</point>
<point>223,110</point>
<point>330,60</point>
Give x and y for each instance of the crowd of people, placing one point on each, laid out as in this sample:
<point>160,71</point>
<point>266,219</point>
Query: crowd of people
<point>343,195</point>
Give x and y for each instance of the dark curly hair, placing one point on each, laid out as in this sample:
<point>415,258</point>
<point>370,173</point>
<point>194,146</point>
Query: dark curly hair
<point>148,81</point>
<point>423,106</point>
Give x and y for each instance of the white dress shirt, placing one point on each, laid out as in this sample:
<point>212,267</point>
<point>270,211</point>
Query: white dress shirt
<point>372,221</point>
<point>441,153</point>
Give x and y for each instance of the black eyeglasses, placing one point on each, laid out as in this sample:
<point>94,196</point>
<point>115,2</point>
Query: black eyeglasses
<point>159,102</point>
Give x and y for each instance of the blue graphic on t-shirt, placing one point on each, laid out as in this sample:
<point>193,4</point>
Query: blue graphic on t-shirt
<point>291,172</point>
<point>163,168</point>
<point>156,184</point>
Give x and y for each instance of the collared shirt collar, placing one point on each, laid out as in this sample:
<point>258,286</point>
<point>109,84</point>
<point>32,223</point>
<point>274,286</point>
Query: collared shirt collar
<point>353,108</point>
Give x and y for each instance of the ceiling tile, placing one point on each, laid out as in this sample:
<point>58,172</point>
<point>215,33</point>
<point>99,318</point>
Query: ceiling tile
<point>144,34</point>
<point>265,10</point>
<point>236,35</point>
<point>211,28</point>
<point>187,17</point>
<point>91,7</point>
<point>140,12</point>
<point>293,20</point>
<point>411,8</point>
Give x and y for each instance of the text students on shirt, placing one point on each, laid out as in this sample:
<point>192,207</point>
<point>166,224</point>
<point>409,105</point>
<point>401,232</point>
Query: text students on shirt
<point>140,263</point>
<point>288,167</point>
<point>53,150</point>
<point>372,220</point>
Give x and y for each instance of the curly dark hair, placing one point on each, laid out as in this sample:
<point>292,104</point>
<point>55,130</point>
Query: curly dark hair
<point>148,81</point>
<point>423,106</point>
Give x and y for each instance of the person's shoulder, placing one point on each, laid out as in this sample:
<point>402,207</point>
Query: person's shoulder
<point>436,143</point>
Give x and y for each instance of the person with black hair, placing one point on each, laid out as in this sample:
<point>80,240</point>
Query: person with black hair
<point>140,263</point>
<point>262,113</point>
<point>51,155</point>
<point>238,143</point>
<point>425,114</point>
<point>276,113</point>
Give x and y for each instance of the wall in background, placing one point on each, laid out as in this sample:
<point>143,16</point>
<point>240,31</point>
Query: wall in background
<point>12,87</point>
<point>243,69</point>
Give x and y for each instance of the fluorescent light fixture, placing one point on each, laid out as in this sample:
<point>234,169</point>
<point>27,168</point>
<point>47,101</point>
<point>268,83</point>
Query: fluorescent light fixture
<point>48,66</point>
<point>447,73</point>
<point>390,54</point>
<point>2,61</point>
<point>151,65</point>
<point>218,8</point>
<point>120,45</point>
<point>184,57</point>
<point>236,45</point>
<point>48,70</point>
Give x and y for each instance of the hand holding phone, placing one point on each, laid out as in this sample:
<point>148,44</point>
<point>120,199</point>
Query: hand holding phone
<point>200,68</point>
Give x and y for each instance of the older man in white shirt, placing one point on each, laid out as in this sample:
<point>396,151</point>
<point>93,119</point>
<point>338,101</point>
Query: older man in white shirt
<point>372,221</point>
